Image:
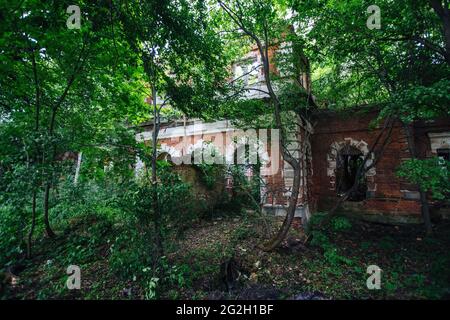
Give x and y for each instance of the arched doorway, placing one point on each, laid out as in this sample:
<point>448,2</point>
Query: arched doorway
<point>348,160</point>
<point>343,159</point>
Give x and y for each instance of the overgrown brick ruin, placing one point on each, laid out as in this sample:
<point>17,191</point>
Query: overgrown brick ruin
<point>322,147</point>
<point>386,197</point>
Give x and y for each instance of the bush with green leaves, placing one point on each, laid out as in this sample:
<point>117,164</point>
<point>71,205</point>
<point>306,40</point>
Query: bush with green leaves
<point>315,221</point>
<point>85,198</point>
<point>431,174</point>
<point>12,233</point>
<point>210,174</point>
<point>330,251</point>
<point>340,224</point>
<point>15,209</point>
<point>134,252</point>
<point>246,192</point>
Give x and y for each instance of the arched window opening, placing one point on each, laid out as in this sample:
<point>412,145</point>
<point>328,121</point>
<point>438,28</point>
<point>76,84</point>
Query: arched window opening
<point>443,154</point>
<point>164,156</point>
<point>349,159</point>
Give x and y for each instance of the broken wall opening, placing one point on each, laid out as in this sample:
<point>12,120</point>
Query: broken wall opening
<point>349,159</point>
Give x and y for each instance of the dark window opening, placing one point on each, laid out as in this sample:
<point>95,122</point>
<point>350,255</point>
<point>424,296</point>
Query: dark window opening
<point>443,154</point>
<point>348,161</point>
<point>164,156</point>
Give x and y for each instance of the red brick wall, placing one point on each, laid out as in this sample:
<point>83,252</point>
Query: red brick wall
<point>387,196</point>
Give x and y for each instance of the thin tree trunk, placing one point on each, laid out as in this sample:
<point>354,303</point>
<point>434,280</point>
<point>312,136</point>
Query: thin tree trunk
<point>294,163</point>
<point>290,213</point>
<point>48,229</point>
<point>77,170</point>
<point>51,130</point>
<point>36,158</point>
<point>156,209</point>
<point>263,49</point>
<point>423,196</point>
<point>33,225</point>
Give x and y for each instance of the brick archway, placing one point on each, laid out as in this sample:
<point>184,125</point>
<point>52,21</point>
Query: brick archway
<point>332,155</point>
<point>172,151</point>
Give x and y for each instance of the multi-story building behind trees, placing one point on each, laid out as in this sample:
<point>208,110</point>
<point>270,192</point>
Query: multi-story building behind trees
<point>330,147</point>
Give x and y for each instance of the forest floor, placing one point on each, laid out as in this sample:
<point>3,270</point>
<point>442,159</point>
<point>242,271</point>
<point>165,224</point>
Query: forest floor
<point>333,265</point>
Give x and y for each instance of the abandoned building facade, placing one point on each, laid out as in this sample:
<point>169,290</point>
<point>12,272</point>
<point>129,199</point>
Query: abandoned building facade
<point>337,143</point>
<point>330,152</point>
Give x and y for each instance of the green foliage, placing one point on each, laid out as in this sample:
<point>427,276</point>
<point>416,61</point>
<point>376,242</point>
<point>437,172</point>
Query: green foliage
<point>242,233</point>
<point>178,206</point>
<point>320,239</point>
<point>179,51</point>
<point>211,174</point>
<point>130,254</point>
<point>419,102</point>
<point>331,252</point>
<point>175,275</point>
<point>334,258</point>
<point>314,221</point>
<point>246,192</point>
<point>12,233</point>
<point>340,224</point>
<point>66,91</point>
<point>354,65</point>
<point>431,174</point>
<point>151,288</point>
<point>133,252</point>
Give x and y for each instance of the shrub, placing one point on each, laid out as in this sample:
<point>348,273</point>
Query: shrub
<point>133,252</point>
<point>320,239</point>
<point>12,233</point>
<point>314,221</point>
<point>431,174</point>
<point>340,224</point>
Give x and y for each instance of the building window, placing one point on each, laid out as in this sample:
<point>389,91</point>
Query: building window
<point>247,71</point>
<point>349,159</point>
<point>440,143</point>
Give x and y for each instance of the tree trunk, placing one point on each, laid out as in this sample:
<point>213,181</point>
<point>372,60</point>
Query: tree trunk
<point>77,170</point>
<point>48,229</point>
<point>33,225</point>
<point>423,196</point>
<point>35,157</point>
<point>263,49</point>
<point>290,213</point>
<point>51,129</point>
<point>294,163</point>
<point>156,210</point>
<point>425,211</point>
